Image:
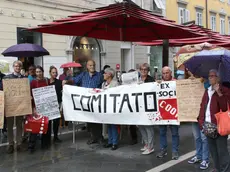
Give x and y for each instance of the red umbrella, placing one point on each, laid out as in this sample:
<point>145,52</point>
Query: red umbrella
<point>71,64</point>
<point>120,22</point>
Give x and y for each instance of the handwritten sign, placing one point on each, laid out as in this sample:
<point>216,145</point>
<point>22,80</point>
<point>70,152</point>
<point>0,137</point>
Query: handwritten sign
<point>46,102</point>
<point>17,97</point>
<point>189,96</point>
<point>1,109</point>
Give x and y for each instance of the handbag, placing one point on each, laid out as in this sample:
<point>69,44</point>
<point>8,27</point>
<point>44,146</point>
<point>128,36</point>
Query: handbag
<point>36,125</point>
<point>210,130</point>
<point>223,122</point>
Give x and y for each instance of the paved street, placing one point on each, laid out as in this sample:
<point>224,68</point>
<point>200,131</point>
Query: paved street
<point>80,157</point>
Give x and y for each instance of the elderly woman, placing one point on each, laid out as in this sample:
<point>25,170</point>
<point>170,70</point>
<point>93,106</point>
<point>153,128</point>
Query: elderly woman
<point>112,129</point>
<point>214,100</point>
<point>147,132</point>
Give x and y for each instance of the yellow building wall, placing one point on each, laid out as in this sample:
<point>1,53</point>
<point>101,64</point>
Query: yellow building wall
<point>217,6</point>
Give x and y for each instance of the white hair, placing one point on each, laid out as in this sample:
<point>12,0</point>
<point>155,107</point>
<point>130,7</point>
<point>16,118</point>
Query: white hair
<point>110,71</point>
<point>167,67</point>
<point>146,65</point>
<point>215,71</point>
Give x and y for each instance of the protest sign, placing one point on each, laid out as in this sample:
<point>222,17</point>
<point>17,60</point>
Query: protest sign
<point>137,104</point>
<point>17,97</point>
<point>46,102</point>
<point>189,96</point>
<point>130,78</point>
<point>1,109</point>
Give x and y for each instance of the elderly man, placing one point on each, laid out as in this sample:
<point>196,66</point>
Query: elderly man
<point>90,79</point>
<point>109,74</point>
<point>17,65</point>
<point>167,76</point>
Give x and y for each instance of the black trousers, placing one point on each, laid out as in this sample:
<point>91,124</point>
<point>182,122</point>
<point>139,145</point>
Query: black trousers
<point>46,138</point>
<point>95,131</point>
<point>56,123</point>
<point>219,152</point>
<point>4,125</point>
<point>133,132</point>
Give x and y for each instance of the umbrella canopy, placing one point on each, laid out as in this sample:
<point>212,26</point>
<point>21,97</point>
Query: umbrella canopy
<point>202,62</point>
<point>71,64</point>
<point>212,37</point>
<point>123,21</point>
<point>25,50</point>
<point>188,51</point>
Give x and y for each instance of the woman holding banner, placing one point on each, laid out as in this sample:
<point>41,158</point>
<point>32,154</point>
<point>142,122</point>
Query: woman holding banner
<point>40,81</point>
<point>58,87</point>
<point>147,132</point>
<point>112,129</point>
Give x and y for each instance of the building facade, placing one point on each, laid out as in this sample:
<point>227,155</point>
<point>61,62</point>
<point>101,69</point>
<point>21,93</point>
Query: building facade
<point>212,14</point>
<point>15,15</point>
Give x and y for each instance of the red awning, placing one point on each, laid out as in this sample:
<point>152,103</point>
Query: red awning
<point>212,37</point>
<point>121,22</point>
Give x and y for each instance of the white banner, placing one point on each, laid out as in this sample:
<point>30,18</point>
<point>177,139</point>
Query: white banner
<point>144,104</point>
<point>45,99</point>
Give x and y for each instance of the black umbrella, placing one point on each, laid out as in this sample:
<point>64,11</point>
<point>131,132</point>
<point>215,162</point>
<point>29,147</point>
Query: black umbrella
<point>25,50</point>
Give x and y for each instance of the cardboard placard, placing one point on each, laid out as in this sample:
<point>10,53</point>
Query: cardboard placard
<point>1,109</point>
<point>17,97</point>
<point>189,97</point>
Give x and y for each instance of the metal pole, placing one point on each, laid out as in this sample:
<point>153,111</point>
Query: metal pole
<point>206,9</point>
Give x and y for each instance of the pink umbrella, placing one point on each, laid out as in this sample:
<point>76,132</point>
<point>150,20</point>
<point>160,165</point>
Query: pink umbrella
<point>71,64</point>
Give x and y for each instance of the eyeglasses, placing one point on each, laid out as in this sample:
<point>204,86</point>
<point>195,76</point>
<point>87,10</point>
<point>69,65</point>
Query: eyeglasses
<point>212,76</point>
<point>144,69</point>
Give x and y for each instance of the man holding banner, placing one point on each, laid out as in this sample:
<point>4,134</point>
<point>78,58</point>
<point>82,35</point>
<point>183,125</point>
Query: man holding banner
<point>17,65</point>
<point>167,76</point>
<point>91,79</point>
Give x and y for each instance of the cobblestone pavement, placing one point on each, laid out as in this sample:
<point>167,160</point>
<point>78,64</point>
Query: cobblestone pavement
<point>79,157</point>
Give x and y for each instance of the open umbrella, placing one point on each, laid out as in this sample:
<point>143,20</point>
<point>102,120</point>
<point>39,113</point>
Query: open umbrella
<point>202,62</point>
<point>71,64</point>
<point>123,21</point>
<point>25,50</point>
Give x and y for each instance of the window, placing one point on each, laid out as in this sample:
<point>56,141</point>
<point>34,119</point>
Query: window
<point>222,26</point>
<point>229,27</point>
<point>199,18</point>
<point>184,15</point>
<point>213,23</point>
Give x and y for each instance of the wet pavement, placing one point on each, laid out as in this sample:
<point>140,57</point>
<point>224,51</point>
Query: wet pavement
<point>80,157</point>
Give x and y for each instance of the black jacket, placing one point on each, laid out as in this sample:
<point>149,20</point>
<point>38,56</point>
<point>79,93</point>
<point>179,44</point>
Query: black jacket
<point>2,75</point>
<point>149,79</point>
<point>58,87</point>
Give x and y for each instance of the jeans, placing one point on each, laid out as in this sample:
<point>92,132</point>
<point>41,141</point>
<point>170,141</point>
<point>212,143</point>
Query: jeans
<point>175,137</point>
<point>112,134</point>
<point>201,143</point>
<point>218,148</point>
<point>147,133</point>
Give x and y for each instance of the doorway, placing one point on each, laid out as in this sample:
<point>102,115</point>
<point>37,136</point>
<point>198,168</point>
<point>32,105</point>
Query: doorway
<point>24,36</point>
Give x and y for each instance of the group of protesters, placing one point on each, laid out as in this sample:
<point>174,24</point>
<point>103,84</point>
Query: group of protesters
<point>215,99</point>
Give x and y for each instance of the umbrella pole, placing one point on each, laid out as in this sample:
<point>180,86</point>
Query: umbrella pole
<point>165,60</point>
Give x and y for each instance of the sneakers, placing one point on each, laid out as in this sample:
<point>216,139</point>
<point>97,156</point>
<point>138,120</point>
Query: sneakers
<point>204,165</point>
<point>162,153</point>
<point>144,148</point>
<point>148,151</point>
<point>57,140</point>
<point>194,160</point>
<point>175,156</point>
